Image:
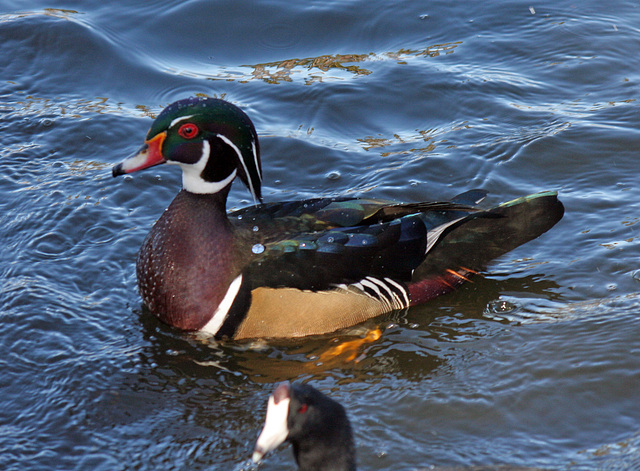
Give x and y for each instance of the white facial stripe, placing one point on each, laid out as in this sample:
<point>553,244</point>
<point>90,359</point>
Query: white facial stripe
<point>213,326</point>
<point>255,159</point>
<point>244,164</point>
<point>275,428</point>
<point>177,120</point>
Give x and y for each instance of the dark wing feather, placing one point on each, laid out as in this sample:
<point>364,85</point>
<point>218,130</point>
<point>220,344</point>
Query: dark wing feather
<point>481,237</point>
<point>319,243</point>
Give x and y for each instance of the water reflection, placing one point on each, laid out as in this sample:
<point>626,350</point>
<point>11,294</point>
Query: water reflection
<point>315,69</point>
<point>34,106</point>
<point>52,12</point>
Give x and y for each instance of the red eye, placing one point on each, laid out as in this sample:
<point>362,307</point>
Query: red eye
<point>303,409</point>
<point>188,130</point>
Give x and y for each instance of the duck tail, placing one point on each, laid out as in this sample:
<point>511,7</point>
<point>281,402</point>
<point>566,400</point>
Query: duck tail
<point>466,247</point>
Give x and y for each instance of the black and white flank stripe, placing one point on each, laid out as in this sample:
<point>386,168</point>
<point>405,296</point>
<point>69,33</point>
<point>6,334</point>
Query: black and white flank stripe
<point>389,292</point>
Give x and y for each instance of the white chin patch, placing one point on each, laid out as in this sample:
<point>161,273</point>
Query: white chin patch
<point>191,175</point>
<point>275,429</point>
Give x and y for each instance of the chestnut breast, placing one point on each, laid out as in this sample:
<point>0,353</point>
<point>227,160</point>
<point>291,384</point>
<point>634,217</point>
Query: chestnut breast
<point>186,263</point>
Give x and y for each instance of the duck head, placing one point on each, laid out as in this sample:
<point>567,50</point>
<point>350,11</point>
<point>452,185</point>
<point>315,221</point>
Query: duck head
<point>212,141</point>
<point>316,426</point>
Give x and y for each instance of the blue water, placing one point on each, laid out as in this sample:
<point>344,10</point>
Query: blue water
<point>536,363</point>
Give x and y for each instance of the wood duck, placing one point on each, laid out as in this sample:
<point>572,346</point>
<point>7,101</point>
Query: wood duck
<point>292,269</point>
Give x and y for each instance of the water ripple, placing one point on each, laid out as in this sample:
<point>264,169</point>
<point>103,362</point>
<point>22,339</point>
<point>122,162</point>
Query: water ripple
<point>534,363</point>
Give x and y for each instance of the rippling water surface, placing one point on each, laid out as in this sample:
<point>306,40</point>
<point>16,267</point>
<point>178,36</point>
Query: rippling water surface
<point>536,363</point>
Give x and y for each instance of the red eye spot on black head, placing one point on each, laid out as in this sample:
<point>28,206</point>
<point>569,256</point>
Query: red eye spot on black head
<point>188,130</point>
<point>303,409</point>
